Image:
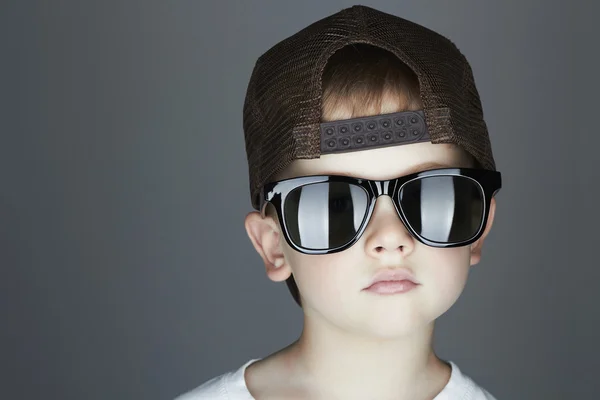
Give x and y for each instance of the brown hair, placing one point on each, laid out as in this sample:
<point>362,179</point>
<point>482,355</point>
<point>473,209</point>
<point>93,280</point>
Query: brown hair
<point>362,80</point>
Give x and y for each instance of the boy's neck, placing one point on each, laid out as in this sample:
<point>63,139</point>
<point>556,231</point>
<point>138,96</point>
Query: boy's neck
<point>329,360</point>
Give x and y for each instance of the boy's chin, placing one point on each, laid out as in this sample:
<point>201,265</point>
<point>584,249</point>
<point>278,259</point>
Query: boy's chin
<point>394,330</point>
<point>387,325</point>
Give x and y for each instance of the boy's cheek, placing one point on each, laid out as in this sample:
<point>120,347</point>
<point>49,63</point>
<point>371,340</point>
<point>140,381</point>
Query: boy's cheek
<point>448,270</point>
<point>323,277</point>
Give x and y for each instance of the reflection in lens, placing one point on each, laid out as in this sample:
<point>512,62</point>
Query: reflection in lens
<point>324,215</point>
<point>445,209</point>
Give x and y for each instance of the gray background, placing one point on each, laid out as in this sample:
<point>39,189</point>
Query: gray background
<point>126,271</point>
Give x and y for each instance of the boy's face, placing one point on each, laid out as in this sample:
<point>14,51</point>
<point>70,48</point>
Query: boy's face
<point>331,286</point>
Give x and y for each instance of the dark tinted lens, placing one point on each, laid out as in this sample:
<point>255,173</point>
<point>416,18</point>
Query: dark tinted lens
<point>324,215</point>
<point>445,209</point>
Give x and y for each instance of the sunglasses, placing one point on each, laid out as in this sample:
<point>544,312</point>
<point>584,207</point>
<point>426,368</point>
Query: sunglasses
<point>327,214</point>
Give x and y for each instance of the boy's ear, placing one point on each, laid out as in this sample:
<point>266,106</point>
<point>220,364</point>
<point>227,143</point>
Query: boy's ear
<point>477,246</point>
<point>265,236</point>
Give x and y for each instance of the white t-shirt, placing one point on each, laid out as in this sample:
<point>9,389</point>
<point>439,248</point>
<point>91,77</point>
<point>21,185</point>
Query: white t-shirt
<point>232,386</point>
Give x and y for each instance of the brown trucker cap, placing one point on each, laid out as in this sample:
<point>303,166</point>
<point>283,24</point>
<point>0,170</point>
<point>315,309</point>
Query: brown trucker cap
<point>282,108</point>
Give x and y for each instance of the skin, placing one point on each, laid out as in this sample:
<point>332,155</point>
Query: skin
<point>355,344</point>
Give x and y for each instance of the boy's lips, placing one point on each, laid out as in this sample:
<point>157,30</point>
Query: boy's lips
<point>390,281</point>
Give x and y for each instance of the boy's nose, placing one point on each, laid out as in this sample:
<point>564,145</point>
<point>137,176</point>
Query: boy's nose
<point>386,236</point>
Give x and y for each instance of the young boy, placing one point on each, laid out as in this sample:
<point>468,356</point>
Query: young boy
<point>372,173</point>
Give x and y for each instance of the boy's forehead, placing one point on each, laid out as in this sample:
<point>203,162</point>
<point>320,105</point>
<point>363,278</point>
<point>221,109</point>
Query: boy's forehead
<point>381,163</point>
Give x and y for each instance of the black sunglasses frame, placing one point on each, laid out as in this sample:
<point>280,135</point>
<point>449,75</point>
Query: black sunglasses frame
<point>489,183</point>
